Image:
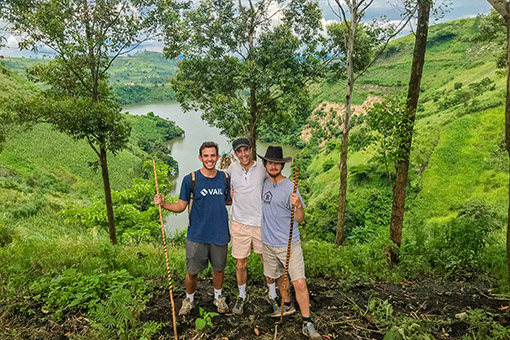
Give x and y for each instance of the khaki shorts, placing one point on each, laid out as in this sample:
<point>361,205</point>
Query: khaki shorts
<point>274,261</point>
<point>244,237</point>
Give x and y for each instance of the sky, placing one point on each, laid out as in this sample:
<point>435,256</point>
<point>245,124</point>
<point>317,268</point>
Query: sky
<point>457,9</point>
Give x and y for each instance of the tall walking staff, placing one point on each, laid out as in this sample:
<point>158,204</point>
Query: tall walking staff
<point>287,260</point>
<point>166,253</point>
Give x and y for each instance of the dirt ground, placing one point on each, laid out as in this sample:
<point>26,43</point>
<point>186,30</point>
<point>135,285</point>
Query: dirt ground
<point>437,306</point>
<point>338,314</point>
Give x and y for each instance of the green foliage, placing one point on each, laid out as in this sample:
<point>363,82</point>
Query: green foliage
<point>387,120</point>
<point>484,326</point>
<point>370,38</point>
<point>151,132</point>
<point>205,320</point>
<point>114,298</point>
<point>243,82</point>
<point>5,235</point>
<point>492,28</point>
<point>132,94</point>
<point>408,329</point>
<point>461,244</point>
<point>136,216</point>
<point>143,77</point>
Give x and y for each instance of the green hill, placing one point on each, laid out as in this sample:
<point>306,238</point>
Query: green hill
<point>459,166</point>
<point>143,77</point>
<point>45,168</point>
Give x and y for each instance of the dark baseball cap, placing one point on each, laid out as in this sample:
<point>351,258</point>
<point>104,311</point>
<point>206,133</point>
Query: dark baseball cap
<point>241,142</point>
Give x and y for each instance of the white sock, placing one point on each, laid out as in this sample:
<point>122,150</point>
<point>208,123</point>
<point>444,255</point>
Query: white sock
<point>191,297</point>
<point>242,291</point>
<point>217,293</point>
<point>272,290</point>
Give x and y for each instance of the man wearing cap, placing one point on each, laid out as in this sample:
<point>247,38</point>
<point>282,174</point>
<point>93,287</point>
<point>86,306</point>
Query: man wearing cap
<point>278,200</point>
<point>247,178</point>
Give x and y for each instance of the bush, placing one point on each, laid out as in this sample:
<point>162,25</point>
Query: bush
<point>136,216</point>
<point>459,246</point>
<point>113,298</point>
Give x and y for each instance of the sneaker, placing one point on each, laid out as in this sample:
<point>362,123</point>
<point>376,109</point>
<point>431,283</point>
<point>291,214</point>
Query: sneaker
<point>187,306</point>
<point>239,306</point>
<point>309,331</point>
<point>287,310</point>
<point>273,302</point>
<point>221,304</point>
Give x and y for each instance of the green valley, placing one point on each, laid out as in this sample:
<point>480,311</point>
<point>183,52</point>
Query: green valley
<point>61,278</point>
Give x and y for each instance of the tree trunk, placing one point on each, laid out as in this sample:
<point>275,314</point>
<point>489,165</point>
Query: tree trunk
<point>253,127</point>
<point>108,195</point>
<point>253,91</point>
<point>507,131</point>
<point>342,196</point>
<point>399,189</point>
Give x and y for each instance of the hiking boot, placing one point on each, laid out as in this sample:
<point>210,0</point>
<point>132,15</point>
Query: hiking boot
<point>273,302</point>
<point>239,306</point>
<point>309,331</point>
<point>187,306</point>
<point>287,310</point>
<point>221,304</point>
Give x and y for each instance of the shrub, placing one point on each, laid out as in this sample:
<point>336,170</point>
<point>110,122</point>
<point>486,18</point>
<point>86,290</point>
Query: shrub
<point>95,294</point>
<point>136,216</point>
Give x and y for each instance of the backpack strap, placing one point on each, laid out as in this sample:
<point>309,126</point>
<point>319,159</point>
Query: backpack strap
<point>227,184</point>
<point>192,186</point>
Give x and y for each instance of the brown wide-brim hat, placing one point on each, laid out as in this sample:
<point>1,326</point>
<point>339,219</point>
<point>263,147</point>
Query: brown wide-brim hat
<point>274,154</point>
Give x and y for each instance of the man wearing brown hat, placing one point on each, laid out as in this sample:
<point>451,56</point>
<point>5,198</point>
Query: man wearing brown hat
<point>278,200</point>
<point>247,178</point>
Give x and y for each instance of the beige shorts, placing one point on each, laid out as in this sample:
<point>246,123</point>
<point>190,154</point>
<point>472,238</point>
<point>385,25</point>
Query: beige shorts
<point>244,238</point>
<point>274,261</point>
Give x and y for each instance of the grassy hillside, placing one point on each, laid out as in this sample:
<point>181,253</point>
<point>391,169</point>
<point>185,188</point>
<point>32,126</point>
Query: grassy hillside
<point>459,165</point>
<point>140,78</point>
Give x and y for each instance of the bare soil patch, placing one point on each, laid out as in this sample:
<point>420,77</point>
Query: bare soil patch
<point>338,314</point>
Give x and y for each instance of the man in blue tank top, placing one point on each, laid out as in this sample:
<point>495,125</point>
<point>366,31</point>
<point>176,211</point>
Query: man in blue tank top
<point>208,235</point>
<point>278,200</point>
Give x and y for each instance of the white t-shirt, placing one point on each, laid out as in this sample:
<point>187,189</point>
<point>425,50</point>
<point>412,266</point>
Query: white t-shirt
<point>247,200</point>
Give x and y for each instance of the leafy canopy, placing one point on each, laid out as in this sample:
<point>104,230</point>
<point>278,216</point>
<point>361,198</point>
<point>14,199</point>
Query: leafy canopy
<point>246,65</point>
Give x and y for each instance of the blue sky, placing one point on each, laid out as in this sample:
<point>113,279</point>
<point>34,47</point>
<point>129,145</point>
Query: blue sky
<point>457,9</point>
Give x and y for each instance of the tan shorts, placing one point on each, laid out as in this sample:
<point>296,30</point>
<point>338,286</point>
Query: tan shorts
<point>274,261</point>
<point>244,238</point>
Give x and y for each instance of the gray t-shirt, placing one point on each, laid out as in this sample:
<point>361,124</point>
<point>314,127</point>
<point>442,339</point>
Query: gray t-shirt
<point>276,210</point>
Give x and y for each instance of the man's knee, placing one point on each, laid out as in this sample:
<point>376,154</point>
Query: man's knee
<point>241,264</point>
<point>191,276</point>
<point>299,285</point>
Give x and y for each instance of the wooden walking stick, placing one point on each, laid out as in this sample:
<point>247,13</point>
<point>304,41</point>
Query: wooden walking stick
<point>166,252</point>
<point>287,260</point>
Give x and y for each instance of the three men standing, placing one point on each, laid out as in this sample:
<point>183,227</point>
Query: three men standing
<point>262,206</point>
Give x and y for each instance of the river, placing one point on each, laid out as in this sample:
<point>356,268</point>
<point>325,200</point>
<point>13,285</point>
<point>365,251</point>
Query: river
<point>185,149</point>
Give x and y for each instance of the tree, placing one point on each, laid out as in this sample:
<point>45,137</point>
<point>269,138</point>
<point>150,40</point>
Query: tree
<point>246,65</point>
<point>386,118</point>
<point>503,8</point>
<point>404,149</point>
<point>87,36</point>
<point>358,45</point>
<point>491,28</point>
